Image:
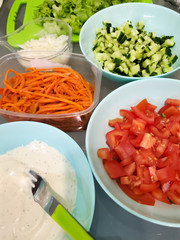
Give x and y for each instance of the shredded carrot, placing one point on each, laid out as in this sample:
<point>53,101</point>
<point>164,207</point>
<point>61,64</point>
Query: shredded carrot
<point>46,91</point>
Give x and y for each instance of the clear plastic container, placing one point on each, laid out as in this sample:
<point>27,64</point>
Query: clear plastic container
<point>66,122</point>
<point>39,38</point>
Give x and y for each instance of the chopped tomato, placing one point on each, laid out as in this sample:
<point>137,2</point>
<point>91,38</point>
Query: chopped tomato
<point>146,176</point>
<point>163,162</point>
<point>143,153</point>
<point>130,169</point>
<point>145,105</point>
<point>113,122</point>
<point>145,198</point>
<point>148,141</point>
<point>163,133</point>
<point>153,173</point>
<point>137,126</point>
<point>159,195</point>
<point>114,137</point>
<point>136,139</point>
<point>166,186</point>
<point>126,161</point>
<point>1,90</point>
<point>160,147</point>
<point>147,116</point>
<point>149,187</point>
<point>103,153</point>
<point>176,186</point>
<point>127,115</point>
<point>125,150</point>
<point>166,174</point>
<point>174,197</point>
<point>145,157</point>
<point>161,110</point>
<point>174,128</point>
<point>114,169</point>
<point>170,111</point>
<point>170,101</point>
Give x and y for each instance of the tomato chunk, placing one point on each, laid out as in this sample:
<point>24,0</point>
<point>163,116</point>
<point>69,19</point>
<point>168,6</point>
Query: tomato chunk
<point>114,169</point>
<point>171,101</point>
<point>143,152</point>
<point>160,196</point>
<point>174,197</point>
<point>166,174</point>
<point>145,198</point>
<point>103,153</point>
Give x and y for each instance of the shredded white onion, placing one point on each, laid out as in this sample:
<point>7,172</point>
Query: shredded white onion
<point>47,43</point>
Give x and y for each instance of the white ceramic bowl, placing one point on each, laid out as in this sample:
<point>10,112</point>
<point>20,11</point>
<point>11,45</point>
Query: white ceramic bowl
<point>158,19</point>
<point>16,134</point>
<point>156,91</point>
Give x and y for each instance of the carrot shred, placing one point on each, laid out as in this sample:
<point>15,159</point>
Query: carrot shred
<point>46,91</point>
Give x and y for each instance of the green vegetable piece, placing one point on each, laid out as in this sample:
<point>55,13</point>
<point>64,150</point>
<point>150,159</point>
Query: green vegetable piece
<point>122,38</point>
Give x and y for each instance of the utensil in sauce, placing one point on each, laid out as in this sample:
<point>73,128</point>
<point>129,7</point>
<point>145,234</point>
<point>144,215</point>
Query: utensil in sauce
<point>44,196</point>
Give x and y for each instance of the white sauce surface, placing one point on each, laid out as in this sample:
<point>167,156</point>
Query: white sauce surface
<point>20,216</point>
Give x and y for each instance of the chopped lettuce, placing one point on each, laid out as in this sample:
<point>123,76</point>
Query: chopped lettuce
<point>74,12</point>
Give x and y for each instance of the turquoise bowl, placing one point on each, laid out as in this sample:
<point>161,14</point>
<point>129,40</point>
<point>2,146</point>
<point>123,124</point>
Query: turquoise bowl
<point>20,133</point>
<point>158,19</point>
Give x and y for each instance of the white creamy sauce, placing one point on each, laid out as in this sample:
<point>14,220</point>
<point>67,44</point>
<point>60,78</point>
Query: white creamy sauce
<point>20,216</point>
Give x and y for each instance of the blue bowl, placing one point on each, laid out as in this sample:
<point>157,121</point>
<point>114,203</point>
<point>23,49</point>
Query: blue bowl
<point>20,133</point>
<point>158,19</point>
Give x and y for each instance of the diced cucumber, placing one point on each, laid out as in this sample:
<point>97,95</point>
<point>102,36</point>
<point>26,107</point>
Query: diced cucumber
<point>132,51</point>
<point>135,69</point>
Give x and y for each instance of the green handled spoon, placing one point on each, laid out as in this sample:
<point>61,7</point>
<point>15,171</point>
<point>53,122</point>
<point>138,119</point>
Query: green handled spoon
<point>58,213</point>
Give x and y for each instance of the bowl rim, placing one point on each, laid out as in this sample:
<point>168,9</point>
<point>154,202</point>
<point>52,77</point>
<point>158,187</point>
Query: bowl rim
<point>97,175</point>
<point>117,77</point>
<point>96,97</point>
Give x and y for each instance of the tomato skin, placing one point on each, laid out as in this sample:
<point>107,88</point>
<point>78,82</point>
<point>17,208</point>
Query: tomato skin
<point>166,174</point>
<point>161,134</point>
<point>160,147</point>
<point>103,153</point>
<point>135,140</point>
<point>149,187</point>
<point>171,110</point>
<point>128,115</point>
<point>145,198</point>
<point>1,90</point>
<point>113,122</point>
<point>174,197</point>
<point>163,162</point>
<point>130,168</point>
<point>171,101</point>
<point>148,117</point>
<point>162,109</point>
<point>114,169</point>
<point>145,157</point>
<point>174,128</point>
<point>137,126</point>
<point>114,137</point>
<point>125,150</point>
<point>175,186</point>
<point>160,196</point>
<point>144,105</point>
